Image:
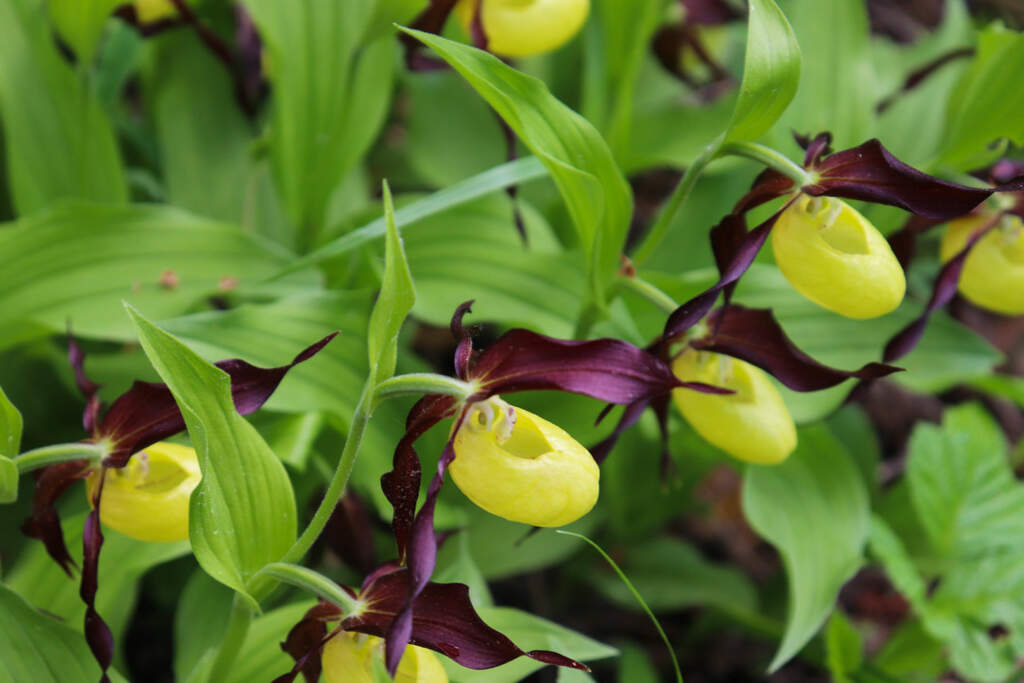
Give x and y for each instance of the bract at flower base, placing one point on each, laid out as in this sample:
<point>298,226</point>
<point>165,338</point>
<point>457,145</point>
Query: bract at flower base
<point>751,424</point>
<point>519,466</point>
<point>993,275</point>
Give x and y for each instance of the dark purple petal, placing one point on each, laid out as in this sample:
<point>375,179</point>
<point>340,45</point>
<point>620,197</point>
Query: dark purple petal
<point>349,534</point>
<point>768,185</point>
<point>870,173</point>
<point>709,12</point>
<point>943,290</point>
<point>606,369</point>
<point>464,347</point>
<point>445,621</point>
<point>1006,171</point>
<point>753,335</point>
<point>744,251</point>
<point>814,148</point>
<point>629,417</point>
<point>306,641</point>
<point>147,412</point>
<point>44,524</point>
<point>88,388</point>
<point>97,633</point>
<point>402,484</point>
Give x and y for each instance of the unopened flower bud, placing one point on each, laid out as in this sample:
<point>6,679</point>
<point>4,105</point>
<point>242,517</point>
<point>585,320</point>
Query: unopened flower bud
<point>522,28</point>
<point>833,256</point>
<point>150,11</point>
<point>751,424</point>
<point>148,498</point>
<point>348,658</point>
<point>993,274</point>
<point>519,466</point>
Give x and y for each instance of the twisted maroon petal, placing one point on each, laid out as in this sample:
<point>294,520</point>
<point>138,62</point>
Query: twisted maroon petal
<point>88,388</point>
<point>97,633</point>
<point>51,483</point>
<point>753,335</point>
<point>306,641</point>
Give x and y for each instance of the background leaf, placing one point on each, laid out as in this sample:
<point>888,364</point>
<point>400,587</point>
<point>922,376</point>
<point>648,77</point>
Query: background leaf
<point>242,514</point>
<point>58,141</point>
<point>80,23</point>
<point>814,509</point>
<point>10,443</point>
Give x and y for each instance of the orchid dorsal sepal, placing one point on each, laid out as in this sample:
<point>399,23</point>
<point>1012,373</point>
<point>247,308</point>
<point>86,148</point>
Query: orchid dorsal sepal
<point>316,583</point>
<point>38,458</point>
<point>420,383</point>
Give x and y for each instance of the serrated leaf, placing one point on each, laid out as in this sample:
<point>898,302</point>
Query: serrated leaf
<point>10,443</point>
<point>771,72</point>
<point>394,302</point>
<point>58,141</point>
<point>985,105</point>
<point>814,509</point>
<point>963,489</point>
<point>593,188</point>
<point>38,648</point>
<point>242,515</point>
<point>80,261</point>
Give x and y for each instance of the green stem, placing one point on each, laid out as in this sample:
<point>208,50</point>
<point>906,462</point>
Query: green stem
<point>770,158</point>
<point>315,583</point>
<point>589,317</point>
<point>668,214</point>
<point>62,452</point>
<point>234,638</point>
<point>418,383</point>
<point>649,292</point>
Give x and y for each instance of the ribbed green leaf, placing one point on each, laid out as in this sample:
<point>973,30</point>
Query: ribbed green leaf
<point>577,157</point>
<point>10,442</point>
<point>814,509</point>
<point>242,515</point>
<point>78,262</point>
<point>771,72</point>
<point>57,139</point>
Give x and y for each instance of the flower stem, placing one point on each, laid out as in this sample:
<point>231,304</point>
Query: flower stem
<point>668,214</point>
<point>315,583</point>
<point>649,292</point>
<point>234,638</point>
<point>62,452</point>
<point>419,383</point>
<point>770,158</point>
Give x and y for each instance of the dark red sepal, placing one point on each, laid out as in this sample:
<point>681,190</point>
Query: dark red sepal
<point>814,148</point>
<point>753,335</point>
<point>768,185</point>
<point>306,641</point>
<point>445,621</point>
<point>606,369</point>
<point>943,290</point>
<point>51,483</point>
<point>97,633</point>
<point>709,12</point>
<point>871,173</point>
<point>147,412</point>
<point>464,341</point>
<point>88,388</point>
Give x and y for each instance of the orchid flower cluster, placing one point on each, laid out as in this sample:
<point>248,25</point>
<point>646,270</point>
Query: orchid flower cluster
<point>716,360</point>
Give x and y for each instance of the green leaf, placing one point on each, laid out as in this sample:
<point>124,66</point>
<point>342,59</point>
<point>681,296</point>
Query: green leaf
<point>242,515</point>
<point>962,486</point>
<point>261,654</point>
<point>529,632</point>
<point>771,72</point>
<point>200,619</point>
<point>838,87</point>
<point>986,103</point>
<point>58,141</point>
<point>10,443</point>
<point>887,548</point>
<point>38,648</point>
<point>593,188</point>
<point>394,302</point>
<point>331,91</point>
<point>844,648</point>
<point>80,23</point>
<point>814,509</point>
<point>123,562</point>
<point>80,261</point>
<point>635,666</point>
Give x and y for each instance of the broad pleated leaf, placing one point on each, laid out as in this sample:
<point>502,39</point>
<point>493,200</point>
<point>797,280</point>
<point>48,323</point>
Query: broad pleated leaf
<point>10,442</point>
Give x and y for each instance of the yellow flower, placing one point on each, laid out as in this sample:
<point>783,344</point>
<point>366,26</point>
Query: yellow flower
<point>752,424</point>
<point>993,275</point>
<point>148,498</point>
<point>833,256</point>
<point>348,658</point>
<point>519,466</point>
<point>149,11</point>
<point>522,28</point>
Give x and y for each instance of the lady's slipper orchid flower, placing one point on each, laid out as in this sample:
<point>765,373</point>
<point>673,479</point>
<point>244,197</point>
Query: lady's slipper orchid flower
<point>150,11</point>
<point>147,499</point>
<point>833,256</point>
<point>752,424</point>
<point>444,621</point>
<point>523,28</point>
<point>993,274</point>
<point>609,370</point>
<point>148,482</point>
<point>519,466</point>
